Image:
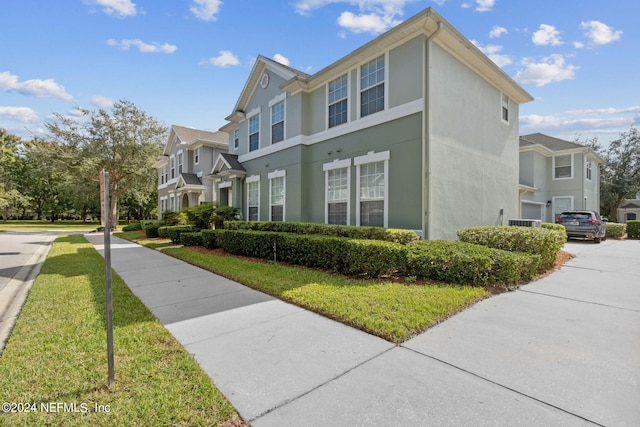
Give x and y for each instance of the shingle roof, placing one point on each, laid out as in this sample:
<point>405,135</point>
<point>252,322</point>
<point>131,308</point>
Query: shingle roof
<point>631,204</point>
<point>191,179</point>
<point>189,135</point>
<point>232,160</point>
<point>553,144</point>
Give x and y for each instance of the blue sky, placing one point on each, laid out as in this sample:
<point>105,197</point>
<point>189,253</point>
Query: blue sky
<point>185,62</point>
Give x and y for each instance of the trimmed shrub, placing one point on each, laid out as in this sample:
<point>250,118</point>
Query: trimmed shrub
<point>134,226</point>
<point>174,232</point>
<point>633,229</point>
<point>459,262</point>
<point>151,226</point>
<point>191,238</point>
<point>162,231</point>
<point>201,216</point>
<point>210,238</point>
<point>545,242</point>
<point>557,227</point>
<point>366,233</point>
<point>615,230</point>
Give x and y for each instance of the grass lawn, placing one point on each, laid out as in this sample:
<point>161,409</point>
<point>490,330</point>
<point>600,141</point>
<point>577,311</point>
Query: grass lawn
<point>140,238</point>
<point>391,310</point>
<point>34,225</point>
<point>57,353</point>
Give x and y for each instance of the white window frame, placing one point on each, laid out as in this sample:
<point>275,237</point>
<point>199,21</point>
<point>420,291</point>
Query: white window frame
<point>172,203</point>
<point>337,164</point>
<point>196,156</point>
<point>372,157</point>
<point>278,101</point>
<point>253,179</point>
<point>163,205</point>
<point>172,167</point>
<point>236,139</point>
<point>505,104</point>
<point>553,169</point>
<point>253,115</point>
<point>347,98</point>
<point>163,175</point>
<point>180,162</point>
<point>273,175</point>
<point>588,169</point>
<point>385,57</point>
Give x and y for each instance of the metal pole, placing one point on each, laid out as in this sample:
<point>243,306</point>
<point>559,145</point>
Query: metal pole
<point>107,265</point>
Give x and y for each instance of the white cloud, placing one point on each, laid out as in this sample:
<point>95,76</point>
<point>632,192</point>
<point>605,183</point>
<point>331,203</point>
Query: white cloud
<point>578,45</point>
<point>35,87</point>
<point>547,35</point>
<point>497,31</point>
<point>22,114</point>
<point>610,110</point>
<point>225,59</point>
<point>206,10</point>
<point>143,47</point>
<point>366,23</point>
<point>281,59</point>
<point>119,8</point>
<point>600,33</point>
<point>551,69</point>
<point>485,5</point>
<point>493,52</point>
<point>102,101</point>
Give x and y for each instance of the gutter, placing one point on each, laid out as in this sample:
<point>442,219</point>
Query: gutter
<point>426,138</point>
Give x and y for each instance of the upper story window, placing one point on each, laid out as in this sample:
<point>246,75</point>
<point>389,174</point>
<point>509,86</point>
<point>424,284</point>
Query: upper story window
<point>254,132</point>
<point>587,172</point>
<point>196,156</point>
<point>172,167</point>
<point>504,110</point>
<point>179,163</point>
<point>277,122</point>
<point>163,174</point>
<point>236,138</point>
<point>372,87</point>
<point>338,90</point>
<point>563,166</point>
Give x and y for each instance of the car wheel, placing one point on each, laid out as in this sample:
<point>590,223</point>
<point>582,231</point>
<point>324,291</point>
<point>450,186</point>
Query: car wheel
<point>597,240</point>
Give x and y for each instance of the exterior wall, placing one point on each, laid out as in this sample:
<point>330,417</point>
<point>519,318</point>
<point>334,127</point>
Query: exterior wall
<point>474,154</point>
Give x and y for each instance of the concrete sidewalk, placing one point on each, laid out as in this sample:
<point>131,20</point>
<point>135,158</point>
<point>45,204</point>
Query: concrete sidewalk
<point>561,351</point>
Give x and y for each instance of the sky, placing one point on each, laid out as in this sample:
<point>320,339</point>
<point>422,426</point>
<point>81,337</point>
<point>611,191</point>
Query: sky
<point>185,62</point>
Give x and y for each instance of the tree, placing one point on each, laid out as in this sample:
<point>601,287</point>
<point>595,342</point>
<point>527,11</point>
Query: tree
<point>124,142</point>
<point>11,166</point>
<point>620,173</point>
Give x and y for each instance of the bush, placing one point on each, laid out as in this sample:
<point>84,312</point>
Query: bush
<point>222,214</point>
<point>545,242</point>
<point>633,229</point>
<point>367,233</point>
<point>557,227</point>
<point>191,238</point>
<point>459,262</point>
<point>615,230</point>
<point>150,227</point>
<point>200,216</point>
<point>134,226</point>
<point>210,239</point>
<point>175,231</point>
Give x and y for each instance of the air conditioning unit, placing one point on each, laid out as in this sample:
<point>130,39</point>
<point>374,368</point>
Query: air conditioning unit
<point>525,222</point>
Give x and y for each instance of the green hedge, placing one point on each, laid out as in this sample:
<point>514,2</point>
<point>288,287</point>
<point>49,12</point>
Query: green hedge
<point>151,226</point>
<point>557,227</point>
<point>615,230</point>
<point>210,238</point>
<point>633,229</point>
<point>191,238</point>
<point>459,262</point>
<point>365,233</point>
<point>173,232</point>
<point>545,242</point>
<point>134,226</point>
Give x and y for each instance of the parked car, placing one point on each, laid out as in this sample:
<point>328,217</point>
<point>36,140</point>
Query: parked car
<point>583,225</point>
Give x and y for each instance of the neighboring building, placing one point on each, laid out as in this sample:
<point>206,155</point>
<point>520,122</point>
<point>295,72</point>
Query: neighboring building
<point>556,176</point>
<point>417,129</point>
<point>184,166</point>
<point>629,210</point>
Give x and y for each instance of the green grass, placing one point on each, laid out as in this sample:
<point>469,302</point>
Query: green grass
<point>57,353</point>
<point>34,225</point>
<point>140,238</point>
<point>393,311</point>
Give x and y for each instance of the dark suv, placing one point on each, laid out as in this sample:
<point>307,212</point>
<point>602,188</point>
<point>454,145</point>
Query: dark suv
<point>583,225</point>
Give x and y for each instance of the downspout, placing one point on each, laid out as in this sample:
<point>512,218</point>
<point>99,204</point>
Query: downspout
<point>426,138</point>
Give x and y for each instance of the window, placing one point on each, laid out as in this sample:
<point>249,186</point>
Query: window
<point>254,132</point>
<point>179,163</point>
<point>337,196</point>
<point>253,198</point>
<point>163,174</point>
<point>587,173</point>
<point>372,182</point>
<point>338,90</point>
<point>196,156</point>
<point>172,203</point>
<point>163,205</point>
<point>504,111</point>
<point>372,87</point>
<point>562,166</point>
<point>172,165</point>
<point>236,138</point>
<point>277,191</point>
<point>277,122</point>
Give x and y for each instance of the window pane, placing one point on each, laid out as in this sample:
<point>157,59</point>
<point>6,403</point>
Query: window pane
<point>372,181</point>
<point>254,132</point>
<point>277,213</point>
<point>338,113</point>
<point>338,213</point>
<point>253,213</point>
<point>563,166</point>
<point>372,213</point>
<point>372,73</point>
<point>277,132</point>
<point>372,100</point>
<point>337,190</point>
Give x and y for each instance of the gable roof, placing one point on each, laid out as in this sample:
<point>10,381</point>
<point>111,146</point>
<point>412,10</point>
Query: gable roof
<point>190,179</point>
<point>228,162</point>
<point>193,138</point>
<point>631,204</point>
<point>548,145</point>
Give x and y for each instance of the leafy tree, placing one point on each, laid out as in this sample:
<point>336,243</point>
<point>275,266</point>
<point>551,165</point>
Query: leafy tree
<point>11,167</point>
<point>124,141</point>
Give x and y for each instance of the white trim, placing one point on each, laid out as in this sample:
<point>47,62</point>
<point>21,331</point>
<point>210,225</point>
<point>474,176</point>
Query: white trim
<point>252,113</point>
<point>277,174</point>
<point>253,178</point>
<point>385,82</point>
<point>372,157</point>
<point>502,95</point>
<point>336,164</point>
<point>199,154</point>
<point>277,99</point>
<point>553,205</point>
<point>588,167</point>
<point>225,184</point>
<point>348,98</point>
<point>553,167</point>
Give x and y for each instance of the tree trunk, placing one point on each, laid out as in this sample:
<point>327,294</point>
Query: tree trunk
<point>113,214</point>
